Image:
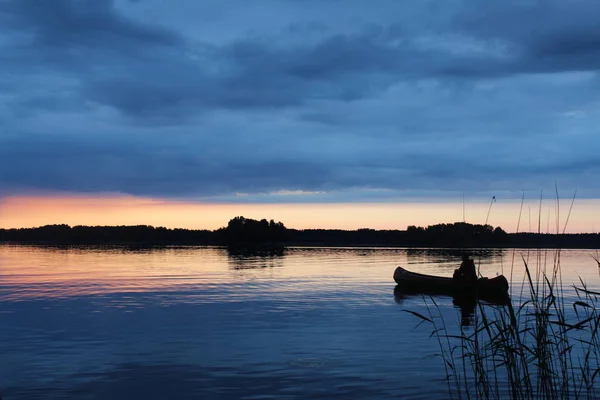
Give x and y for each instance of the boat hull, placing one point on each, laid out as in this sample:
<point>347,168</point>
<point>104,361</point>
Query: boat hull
<point>494,289</point>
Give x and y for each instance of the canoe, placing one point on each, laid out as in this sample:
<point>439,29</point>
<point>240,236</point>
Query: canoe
<point>495,289</point>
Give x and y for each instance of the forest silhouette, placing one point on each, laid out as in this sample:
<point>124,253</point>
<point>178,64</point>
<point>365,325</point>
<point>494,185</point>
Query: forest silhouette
<point>242,231</point>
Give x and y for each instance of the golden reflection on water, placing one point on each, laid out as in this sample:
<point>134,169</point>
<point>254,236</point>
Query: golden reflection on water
<point>47,271</point>
<point>31,272</point>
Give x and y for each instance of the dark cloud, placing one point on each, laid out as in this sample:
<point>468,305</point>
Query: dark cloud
<point>99,96</point>
<point>91,24</point>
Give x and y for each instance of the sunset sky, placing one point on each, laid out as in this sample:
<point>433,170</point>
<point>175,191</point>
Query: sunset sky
<point>324,114</point>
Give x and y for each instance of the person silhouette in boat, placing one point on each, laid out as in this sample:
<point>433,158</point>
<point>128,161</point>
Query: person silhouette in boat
<point>466,272</point>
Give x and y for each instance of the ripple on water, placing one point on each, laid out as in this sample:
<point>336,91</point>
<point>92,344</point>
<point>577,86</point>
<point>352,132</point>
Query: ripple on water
<point>302,323</point>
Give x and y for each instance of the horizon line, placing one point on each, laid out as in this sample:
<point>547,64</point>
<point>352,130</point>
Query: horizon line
<point>298,229</point>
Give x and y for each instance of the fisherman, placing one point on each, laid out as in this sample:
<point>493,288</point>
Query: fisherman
<point>466,272</point>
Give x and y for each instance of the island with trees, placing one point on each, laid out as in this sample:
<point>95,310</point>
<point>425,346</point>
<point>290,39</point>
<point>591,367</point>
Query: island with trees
<point>242,231</point>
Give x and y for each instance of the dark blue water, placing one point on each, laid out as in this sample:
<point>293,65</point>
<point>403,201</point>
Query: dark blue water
<point>208,323</point>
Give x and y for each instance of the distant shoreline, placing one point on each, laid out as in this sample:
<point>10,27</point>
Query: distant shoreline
<point>283,245</point>
<point>242,232</point>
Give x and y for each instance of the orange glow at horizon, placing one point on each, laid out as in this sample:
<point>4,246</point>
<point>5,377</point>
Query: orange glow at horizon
<point>32,211</point>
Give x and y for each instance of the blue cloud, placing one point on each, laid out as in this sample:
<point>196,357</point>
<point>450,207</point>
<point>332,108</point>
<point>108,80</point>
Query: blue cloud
<point>98,96</point>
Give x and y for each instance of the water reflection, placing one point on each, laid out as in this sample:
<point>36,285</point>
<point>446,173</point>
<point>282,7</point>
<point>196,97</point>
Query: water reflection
<point>465,303</point>
<point>189,381</point>
<point>43,272</point>
<point>446,254</point>
<point>252,257</point>
<point>208,322</point>
<point>116,248</point>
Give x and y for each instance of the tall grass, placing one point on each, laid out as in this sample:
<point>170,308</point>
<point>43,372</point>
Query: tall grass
<point>545,345</point>
<point>534,349</point>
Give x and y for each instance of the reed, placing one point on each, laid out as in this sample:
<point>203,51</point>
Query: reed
<point>529,349</point>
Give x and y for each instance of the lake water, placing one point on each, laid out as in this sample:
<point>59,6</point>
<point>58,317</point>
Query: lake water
<point>210,323</point>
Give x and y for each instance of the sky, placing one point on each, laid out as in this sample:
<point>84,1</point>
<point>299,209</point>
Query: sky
<point>323,113</point>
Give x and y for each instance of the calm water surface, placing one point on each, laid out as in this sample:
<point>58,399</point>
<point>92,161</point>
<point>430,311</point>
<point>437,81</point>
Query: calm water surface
<point>208,323</point>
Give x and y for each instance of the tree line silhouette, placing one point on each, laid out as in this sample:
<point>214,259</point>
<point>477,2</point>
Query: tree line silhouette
<point>242,231</point>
